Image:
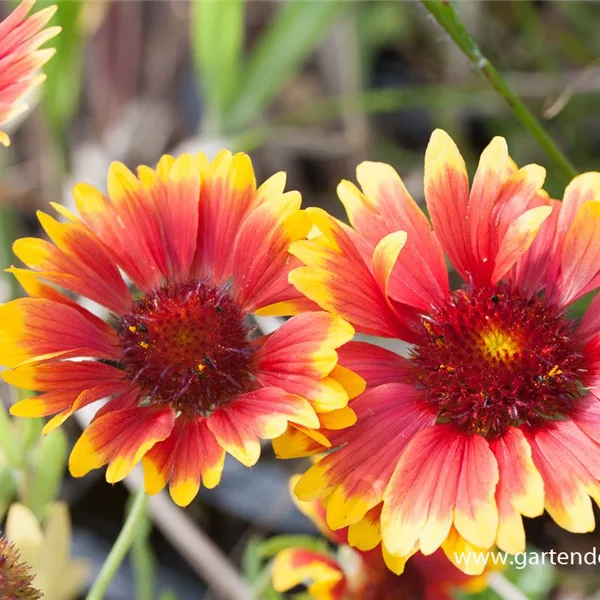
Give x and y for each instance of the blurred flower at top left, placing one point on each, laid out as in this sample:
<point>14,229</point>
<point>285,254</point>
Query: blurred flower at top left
<point>21,58</point>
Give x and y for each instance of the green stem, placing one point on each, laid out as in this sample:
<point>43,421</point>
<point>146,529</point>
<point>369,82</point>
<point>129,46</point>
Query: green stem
<point>445,14</point>
<point>121,546</point>
<point>504,588</point>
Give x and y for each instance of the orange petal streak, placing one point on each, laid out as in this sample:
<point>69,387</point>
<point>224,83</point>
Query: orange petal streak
<point>261,261</point>
<point>443,477</point>
<point>300,356</point>
<point>263,414</point>
<point>356,475</point>
<point>190,453</point>
<point>520,489</point>
<point>337,278</point>
<point>33,327</point>
<point>120,438</point>
<point>570,467</point>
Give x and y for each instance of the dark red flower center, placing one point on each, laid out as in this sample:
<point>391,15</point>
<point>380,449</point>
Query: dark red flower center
<point>495,359</point>
<point>187,344</point>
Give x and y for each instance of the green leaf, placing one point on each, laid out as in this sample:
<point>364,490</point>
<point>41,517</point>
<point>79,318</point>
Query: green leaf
<point>217,35</point>
<point>298,27</point>
<point>262,586</point>
<point>8,440</point>
<point>274,545</point>
<point>42,484</point>
<point>252,558</point>
<point>62,87</point>
<point>167,595</point>
<point>534,580</point>
<point>30,430</point>
<point>8,489</point>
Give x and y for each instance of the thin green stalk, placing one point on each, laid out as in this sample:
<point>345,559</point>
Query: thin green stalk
<point>121,546</point>
<point>445,14</point>
<point>143,562</point>
<point>504,588</point>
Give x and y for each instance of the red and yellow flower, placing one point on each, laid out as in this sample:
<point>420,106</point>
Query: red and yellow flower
<point>21,57</point>
<point>356,575</point>
<point>185,377</point>
<point>495,413</point>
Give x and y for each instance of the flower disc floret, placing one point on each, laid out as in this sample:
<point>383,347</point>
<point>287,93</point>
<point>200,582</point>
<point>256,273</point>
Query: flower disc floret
<point>494,359</point>
<point>187,345</point>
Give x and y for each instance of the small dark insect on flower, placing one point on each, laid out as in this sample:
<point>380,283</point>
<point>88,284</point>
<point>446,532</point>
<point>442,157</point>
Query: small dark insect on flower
<point>15,576</point>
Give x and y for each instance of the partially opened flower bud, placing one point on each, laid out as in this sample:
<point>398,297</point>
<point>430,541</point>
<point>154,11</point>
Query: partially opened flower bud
<point>16,580</point>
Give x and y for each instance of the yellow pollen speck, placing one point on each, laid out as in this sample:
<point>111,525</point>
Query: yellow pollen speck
<point>554,371</point>
<point>437,339</point>
<point>200,367</point>
<point>132,328</point>
<point>144,345</point>
<point>499,344</point>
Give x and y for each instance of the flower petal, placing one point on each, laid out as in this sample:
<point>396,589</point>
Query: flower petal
<point>570,467</point>
<point>263,414</point>
<point>580,262</point>
<point>443,477</point>
<point>298,441</point>
<point>517,240</point>
<point>66,375</point>
<point>190,453</point>
<point>581,189</point>
<point>127,224</point>
<point>315,511</point>
<point>456,549</point>
<point>31,327</point>
<point>301,354</point>
<point>476,513</point>
<point>421,278</point>
<point>520,489</point>
<point>30,282</point>
<point>447,194</point>
<point>356,475</point>
<point>20,59</point>
<point>376,365</point>
<point>78,262</point>
<point>323,575</point>
<point>120,438</point>
<point>366,533</point>
<point>338,280</point>
<point>534,270</point>
<point>175,191</point>
<point>261,262</point>
<point>228,193</point>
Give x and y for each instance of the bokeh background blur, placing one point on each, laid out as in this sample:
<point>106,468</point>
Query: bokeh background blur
<point>311,88</point>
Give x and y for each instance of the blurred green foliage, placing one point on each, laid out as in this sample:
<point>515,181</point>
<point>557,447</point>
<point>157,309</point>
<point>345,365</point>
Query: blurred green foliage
<point>32,466</point>
<point>217,36</point>
<point>534,580</point>
<point>238,90</point>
